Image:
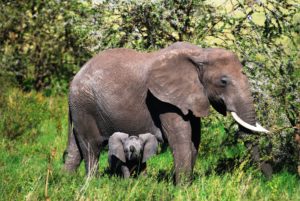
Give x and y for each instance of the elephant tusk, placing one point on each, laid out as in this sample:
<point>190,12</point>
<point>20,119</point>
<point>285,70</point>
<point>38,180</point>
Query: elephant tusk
<point>257,127</point>
<point>262,128</point>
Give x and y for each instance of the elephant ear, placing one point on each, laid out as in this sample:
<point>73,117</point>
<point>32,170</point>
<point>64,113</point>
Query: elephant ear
<point>150,145</point>
<point>175,79</point>
<point>115,146</point>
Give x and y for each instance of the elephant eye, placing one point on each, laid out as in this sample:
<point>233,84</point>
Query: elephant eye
<point>224,81</point>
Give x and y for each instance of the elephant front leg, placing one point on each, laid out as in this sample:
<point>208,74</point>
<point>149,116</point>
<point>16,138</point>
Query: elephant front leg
<point>182,162</point>
<point>125,171</point>
<point>178,132</point>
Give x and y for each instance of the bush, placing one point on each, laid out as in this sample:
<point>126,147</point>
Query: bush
<point>44,41</point>
<point>21,113</point>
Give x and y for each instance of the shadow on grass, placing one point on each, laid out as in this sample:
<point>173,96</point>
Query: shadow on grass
<point>165,176</point>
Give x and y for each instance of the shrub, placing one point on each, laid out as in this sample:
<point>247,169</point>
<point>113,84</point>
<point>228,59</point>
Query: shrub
<point>21,113</point>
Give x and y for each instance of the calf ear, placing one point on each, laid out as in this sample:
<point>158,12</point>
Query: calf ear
<point>115,146</point>
<point>150,145</point>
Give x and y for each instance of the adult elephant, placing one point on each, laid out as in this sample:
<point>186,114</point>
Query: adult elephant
<point>168,91</point>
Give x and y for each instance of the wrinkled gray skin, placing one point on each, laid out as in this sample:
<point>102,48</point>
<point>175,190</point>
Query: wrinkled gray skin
<point>167,92</point>
<point>128,154</point>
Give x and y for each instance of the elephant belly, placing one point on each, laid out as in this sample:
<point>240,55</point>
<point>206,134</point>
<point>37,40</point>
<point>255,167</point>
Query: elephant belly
<point>133,120</point>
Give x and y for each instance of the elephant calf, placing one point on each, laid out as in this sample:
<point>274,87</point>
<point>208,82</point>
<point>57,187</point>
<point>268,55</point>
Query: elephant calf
<point>128,154</point>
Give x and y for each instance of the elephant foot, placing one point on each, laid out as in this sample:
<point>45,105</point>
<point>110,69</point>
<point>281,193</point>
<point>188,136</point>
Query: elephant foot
<point>183,163</point>
<point>183,178</point>
<point>266,169</point>
<point>71,161</point>
<point>91,164</point>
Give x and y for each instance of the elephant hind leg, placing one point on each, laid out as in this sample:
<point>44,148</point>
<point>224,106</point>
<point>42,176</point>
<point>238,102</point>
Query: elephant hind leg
<point>72,156</point>
<point>91,154</point>
<point>90,142</point>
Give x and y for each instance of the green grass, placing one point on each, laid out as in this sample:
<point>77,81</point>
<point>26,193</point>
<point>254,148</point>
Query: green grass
<point>31,169</point>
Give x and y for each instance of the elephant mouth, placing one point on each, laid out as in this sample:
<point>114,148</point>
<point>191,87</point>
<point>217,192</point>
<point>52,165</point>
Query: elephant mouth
<point>132,156</point>
<point>219,105</point>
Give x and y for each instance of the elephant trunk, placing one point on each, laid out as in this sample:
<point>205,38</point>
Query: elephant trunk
<point>246,112</point>
<point>245,116</point>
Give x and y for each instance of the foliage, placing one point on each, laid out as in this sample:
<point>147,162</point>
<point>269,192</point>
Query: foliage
<point>149,24</point>
<point>21,113</point>
<point>43,42</point>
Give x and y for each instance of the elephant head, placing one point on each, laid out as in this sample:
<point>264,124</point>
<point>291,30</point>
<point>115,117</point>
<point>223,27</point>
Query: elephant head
<point>194,78</point>
<point>132,148</point>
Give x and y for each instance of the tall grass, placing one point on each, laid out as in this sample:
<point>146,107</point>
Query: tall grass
<point>31,164</point>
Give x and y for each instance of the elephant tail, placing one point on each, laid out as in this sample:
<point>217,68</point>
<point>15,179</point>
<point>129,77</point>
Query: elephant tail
<point>70,125</point>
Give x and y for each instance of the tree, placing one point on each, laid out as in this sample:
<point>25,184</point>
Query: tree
<point>45,42</point>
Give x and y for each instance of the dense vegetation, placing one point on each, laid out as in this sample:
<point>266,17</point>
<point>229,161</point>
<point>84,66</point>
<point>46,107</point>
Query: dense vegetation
<point>44,43</point>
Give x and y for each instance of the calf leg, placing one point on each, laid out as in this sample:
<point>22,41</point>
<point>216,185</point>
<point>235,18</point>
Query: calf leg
<point>125,171</point>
